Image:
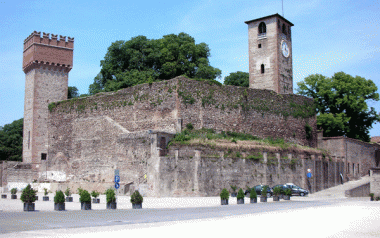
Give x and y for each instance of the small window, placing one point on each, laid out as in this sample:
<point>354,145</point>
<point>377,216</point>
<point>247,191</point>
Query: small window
<point>262,28</point>
<point>259,45</point>
<point>284,29</point>
<point>43,156</point>
<point>278,24</point>
<point>262,68</point>
<point>289,30</point>
<point>348,168</point>
<point>28,140</point>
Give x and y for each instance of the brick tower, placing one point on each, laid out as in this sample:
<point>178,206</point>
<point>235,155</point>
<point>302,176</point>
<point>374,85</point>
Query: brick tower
<point>270,54</point>
<point>46,64</point>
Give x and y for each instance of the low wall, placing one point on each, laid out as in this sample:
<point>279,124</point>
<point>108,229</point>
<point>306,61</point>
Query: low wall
<point>361,191</point>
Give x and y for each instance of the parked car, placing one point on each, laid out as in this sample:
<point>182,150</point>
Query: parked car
<point>296,190</point>
<point>259,188</point>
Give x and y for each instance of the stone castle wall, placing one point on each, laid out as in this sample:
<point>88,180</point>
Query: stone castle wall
<point>204,171</point>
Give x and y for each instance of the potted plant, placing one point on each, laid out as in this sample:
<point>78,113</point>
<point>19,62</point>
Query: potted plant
<point>95,194</point>
<point>224,196</point>
<point>372,195</point>
<point>68,195</point>
<point>263,197</point>
<point>85,199</point>
<point>59,201</point>
<point>233,194</point>
<point>287,194</point>
<point>276,194</point>
<point>111,199</point>
<point>240,197</point>
<point>3,196</point>
<point>136,200</point>
<point>28,197</point>
<point>45,198</point>
<point>13,193</point>
<point>253,195</point>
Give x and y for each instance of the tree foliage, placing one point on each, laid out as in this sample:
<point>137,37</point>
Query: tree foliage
<point>141,60</point>
<point>72,92</point>
<point>341,102</point>
<point>11,141</point>
<point>237,79</point>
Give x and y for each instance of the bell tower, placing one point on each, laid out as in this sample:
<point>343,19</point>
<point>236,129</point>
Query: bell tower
<point>47,62</point>
<point>270,54</point>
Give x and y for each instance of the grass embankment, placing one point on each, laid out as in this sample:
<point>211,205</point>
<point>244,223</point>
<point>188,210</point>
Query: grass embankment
<point>234,140</point>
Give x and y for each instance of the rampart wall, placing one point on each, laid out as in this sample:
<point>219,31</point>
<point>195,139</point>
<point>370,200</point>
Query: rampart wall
<point>204,171</point>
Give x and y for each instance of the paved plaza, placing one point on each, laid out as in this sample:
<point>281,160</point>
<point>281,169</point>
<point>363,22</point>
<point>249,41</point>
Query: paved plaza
<point>324,214</point>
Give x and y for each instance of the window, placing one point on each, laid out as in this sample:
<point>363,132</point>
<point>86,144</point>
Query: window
<point>262,68</point>
<point>284,29</point>
<point>278,24</point>
<point>358,172</point>
<point>259,45</point>
<point>43,156</point>
<point>348,168</point>
<point>353,168</point>
<point>262,28</point>
<point>28,139</point>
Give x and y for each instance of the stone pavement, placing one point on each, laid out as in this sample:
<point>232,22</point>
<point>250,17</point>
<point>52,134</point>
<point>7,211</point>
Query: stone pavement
<point>350,217</point>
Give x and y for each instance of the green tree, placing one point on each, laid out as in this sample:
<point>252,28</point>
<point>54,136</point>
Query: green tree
<point>72,92</point>
<point>341,104</point>
<point>237,79</point>
<point>141,60</point>
<point>11,141</point>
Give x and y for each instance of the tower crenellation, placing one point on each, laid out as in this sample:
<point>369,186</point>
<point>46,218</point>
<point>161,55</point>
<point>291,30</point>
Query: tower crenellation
<point>48,51</point>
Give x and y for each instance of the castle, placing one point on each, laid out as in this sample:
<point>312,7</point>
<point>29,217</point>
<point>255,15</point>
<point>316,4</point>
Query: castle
<point>83,141</point>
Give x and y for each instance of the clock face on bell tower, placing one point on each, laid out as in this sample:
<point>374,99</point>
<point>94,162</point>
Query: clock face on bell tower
<point>270,54</point>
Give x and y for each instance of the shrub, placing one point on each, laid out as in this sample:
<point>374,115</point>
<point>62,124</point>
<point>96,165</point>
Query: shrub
<point>68,192</point>
<point>224,195</point>
<point>136,197</point>
<point>288,192</point>
<point>253,193</point>
<point>277,191</point>
<point>84,196</point>
<point>13,191</point>
<point>46,191</point>
<point>264,191</point>
<point>59,197</point>
<point>240,194</point>
<point>80,190</point>
<point>28,194</point>
<point>233,188</point>
<point>95,194</point>
<point>189,126</point>
<point>110,195</point>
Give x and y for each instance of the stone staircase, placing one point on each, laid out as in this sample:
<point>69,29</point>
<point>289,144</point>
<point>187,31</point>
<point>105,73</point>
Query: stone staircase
<point>348,189</point>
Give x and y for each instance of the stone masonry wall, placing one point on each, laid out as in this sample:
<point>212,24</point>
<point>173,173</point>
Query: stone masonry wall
<point>202,171</point>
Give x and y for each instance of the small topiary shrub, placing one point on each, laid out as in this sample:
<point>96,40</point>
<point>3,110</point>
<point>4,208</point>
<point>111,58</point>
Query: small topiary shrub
<point>233,188</point>
<point>68,192</point>
<point>13,191</point>
<point>277,191</point>
<point>136,198</point>
<point>46,191</point>
<point>253,193</point>
<point>59,197</point>
<point>288,192</point>
<point>110,195</point>
<point>224,195</point>
<point>84,196</point>
<point>95,194</point>
<point>28,194</point>
<point>264,191</point>
<point>80,190</point>
<point>240,194</point>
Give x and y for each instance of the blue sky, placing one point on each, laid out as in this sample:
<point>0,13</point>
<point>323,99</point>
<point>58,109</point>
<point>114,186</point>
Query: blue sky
<point>327,37</point>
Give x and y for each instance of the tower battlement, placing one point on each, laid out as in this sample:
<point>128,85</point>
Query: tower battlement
<point>48,51</point>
